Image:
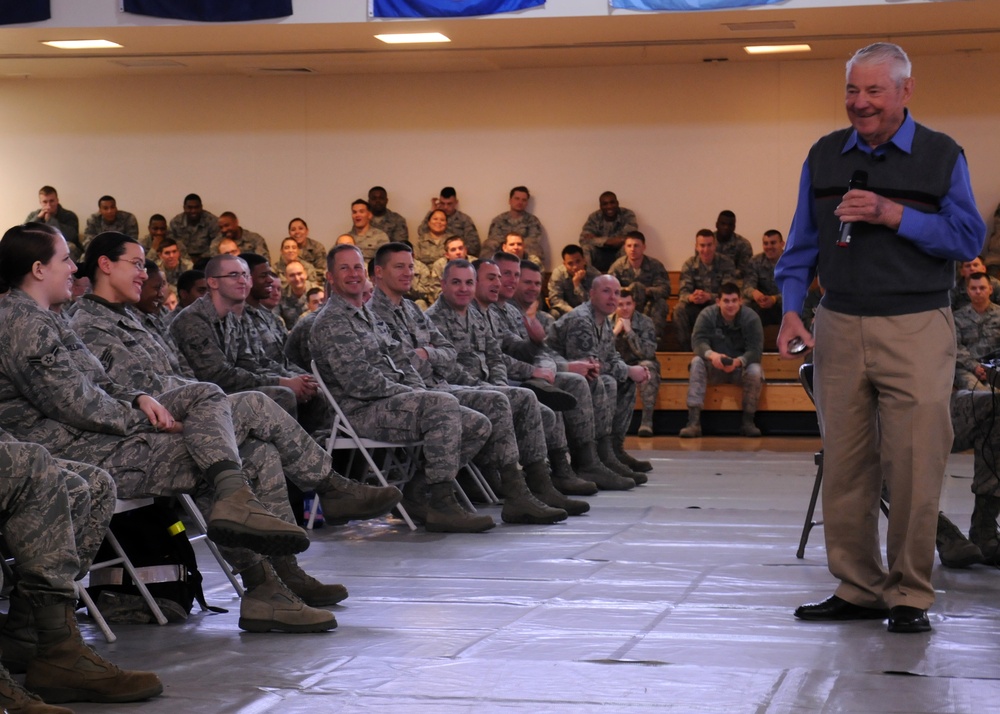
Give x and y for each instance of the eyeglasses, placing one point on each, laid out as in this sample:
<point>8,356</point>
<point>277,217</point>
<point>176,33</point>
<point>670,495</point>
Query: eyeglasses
<point>233,276</point>
<point>139,264</point>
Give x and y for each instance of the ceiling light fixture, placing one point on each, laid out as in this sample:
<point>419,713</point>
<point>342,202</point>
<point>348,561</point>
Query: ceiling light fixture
<point>82,44</point>
<point>412,38</point>
<point>775,49</point>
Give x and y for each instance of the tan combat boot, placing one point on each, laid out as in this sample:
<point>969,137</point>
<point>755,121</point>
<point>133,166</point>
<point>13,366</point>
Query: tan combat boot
<point>239,520</point>
<point>268,604</point>
<point>312,591</point>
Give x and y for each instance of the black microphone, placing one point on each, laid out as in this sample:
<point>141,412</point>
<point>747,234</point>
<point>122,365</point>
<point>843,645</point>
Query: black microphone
<point>858,180</point>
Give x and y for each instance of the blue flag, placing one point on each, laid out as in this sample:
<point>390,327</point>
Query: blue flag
<point>448,8</point>
<point>13,12</point>
<point>687,5</point>
<point>211,10</point>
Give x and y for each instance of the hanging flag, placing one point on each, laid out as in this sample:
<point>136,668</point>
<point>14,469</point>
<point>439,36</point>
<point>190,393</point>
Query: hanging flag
<point>210,10</point>
<point>688,5</point>
<point>13,12</point>
<point>448,8</point>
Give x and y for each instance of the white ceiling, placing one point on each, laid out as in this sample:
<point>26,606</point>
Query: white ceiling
<point>924,28</point>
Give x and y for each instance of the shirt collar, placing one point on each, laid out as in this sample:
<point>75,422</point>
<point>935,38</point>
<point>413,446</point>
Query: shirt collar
<point>902,139</point>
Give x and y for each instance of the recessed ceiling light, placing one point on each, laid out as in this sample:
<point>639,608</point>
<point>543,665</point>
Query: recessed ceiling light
<point>412,38</point>
<point>775,49</point>
<point>82,44</point>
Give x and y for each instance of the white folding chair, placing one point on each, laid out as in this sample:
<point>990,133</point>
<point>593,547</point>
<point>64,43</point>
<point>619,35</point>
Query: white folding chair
<point>121,506</point>
<point>400,457</point>
<point>188,504</point>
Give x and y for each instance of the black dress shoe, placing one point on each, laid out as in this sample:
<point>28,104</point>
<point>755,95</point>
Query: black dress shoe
<point>838,609</point>
<point>903,618</point>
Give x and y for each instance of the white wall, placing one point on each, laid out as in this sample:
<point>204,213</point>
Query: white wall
<point>677,143</point>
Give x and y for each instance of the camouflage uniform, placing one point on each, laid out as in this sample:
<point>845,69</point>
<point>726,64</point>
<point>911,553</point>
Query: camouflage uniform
<point>972,419</point>
<point>459,224</point>
<point>158,328</point>
<point>197,239</point>
<point>738,249</point>
<point>759,275</point>
<point>291,307</point>
<point>564,295</point>
<point>527,225</point>
<point>124,223</point>
<point>272,446</point>
<point>695,275</point>
<point>314,276</point>
<point>425,289</point>
<point>371,378</point>
<point>393,225</point>
<point>53,391</point>
<point>413,329</point>
<point>743,338</point>
<point>65,222</point>
<point>650,288</point>
<point>370,241</point>
<point>579,335</point>
<point>49,533</point>
<point>428,249</point>
<point>223,351</point>
<point>639,347</point>
<point>297,344</point>
<point>597,254</point>
<point>579,424</point>
<point>978,336</point>
<point>312,255</point>
<point>270,331</point>
<point>170,275</point>
<point>247,242</point>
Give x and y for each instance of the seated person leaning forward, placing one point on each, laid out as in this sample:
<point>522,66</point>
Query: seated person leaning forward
<point>728,340</point>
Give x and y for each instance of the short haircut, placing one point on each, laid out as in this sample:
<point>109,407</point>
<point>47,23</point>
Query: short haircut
<point>387,250</point>
<point>451,239</point>
<point>47,191</point>
<point>609,193</point>
<point>102,199</point>
<point>457,264</point>
<point>502,256</point>
<point>512,233</point>
<point>151,267</point>
<point>361,202</point>
<point>637,235</point>
<point>212,266</point>
<point>530,265</point>
<point>370,269</point>
<point>373,189</point>
<point>167,242</point>
<point>157,217</point>
<point>705,233</point>
<point>522,189</point>
<point>314,291</point>
<point>571,249</point>
<point>253,260</point>
<point>110,245</point>
<point>627,292</point>
<point>192,197</point>
<point>727,214</point>
<point>880,52</point>
<point>729,288</point>
<point>979,276</point>
<point>228,214</point>
<point>21,247</point>
<point>773,233</point>
<point>188,278</point>
<point>290,263</point>
<point>337,249</point>
<point>480,262</point>
<point>448,192</point>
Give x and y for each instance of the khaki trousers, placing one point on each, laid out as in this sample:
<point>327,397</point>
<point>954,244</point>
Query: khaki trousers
<point>882,388</point>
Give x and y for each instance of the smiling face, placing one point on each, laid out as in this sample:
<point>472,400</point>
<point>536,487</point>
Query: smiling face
<point>729,305</point>
<point>360,216</point>
<point>396,276</point>
<point>153,295</point>
<point>876,100</point>
<point>704,246</point>
<point>295,274</point>
<point>347,275</point>
<point>514,244</point>
<point>773,246</point>
<point>459,287</point>
<point>289,249</point>
<point>437,222</point>
<point>121,280</point>
<point>488,284</point>
<point>56,276</point>
<point>298,230</point>
<point>529,287</point>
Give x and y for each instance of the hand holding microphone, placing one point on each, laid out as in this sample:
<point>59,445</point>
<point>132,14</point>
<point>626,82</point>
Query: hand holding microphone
<point>858,181</point>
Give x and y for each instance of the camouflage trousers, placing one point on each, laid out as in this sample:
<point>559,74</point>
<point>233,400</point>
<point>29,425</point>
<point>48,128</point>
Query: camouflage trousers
<point>535,425</point>
<point>650,389</point>
<point>452,434</point>
<point>501,449</point>
<point>581,423</point>
<point>92,496</point>
<point>703,374</point>
<point>43,525</point>
<point>972,418</point>
<point>622,396</point>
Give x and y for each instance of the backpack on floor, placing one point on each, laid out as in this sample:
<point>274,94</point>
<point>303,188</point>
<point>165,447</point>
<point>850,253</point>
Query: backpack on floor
<point>158,547</point>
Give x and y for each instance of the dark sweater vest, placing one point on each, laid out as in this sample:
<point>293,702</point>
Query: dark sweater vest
<point>881,273</point>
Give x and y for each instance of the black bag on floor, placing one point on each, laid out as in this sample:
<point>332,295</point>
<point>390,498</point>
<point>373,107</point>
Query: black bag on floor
<point>158,546</point>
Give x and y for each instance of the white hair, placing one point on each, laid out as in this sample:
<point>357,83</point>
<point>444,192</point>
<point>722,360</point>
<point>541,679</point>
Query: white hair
<point>883,52</point>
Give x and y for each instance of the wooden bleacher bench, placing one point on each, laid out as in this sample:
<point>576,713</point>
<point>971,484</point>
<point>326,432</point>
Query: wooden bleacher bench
<point>781,393</point>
